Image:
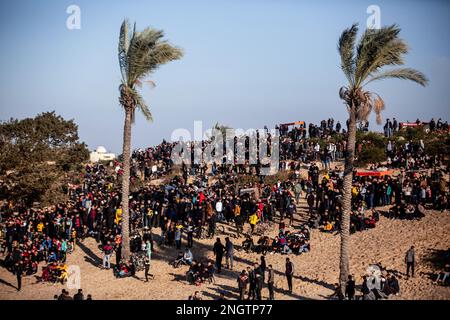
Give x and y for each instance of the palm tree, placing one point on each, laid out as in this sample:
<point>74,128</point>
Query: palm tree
<point>362,64</point>
<point>140,53</point>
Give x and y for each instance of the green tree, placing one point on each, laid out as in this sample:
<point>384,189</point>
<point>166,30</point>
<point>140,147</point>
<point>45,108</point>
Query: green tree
<point>35,154</point>
<point>363,63</point>
<point>140,54</point>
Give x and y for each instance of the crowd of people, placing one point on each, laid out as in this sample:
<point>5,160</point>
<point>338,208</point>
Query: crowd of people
<point>192,204</point>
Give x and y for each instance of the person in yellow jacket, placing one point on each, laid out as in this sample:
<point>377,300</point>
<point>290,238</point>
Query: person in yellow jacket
<point>62,268</point>
<point>253,219</point>
<point>40,227</point>
<point>328,226</point>
<point>119,213</point>
<point>355,191</point>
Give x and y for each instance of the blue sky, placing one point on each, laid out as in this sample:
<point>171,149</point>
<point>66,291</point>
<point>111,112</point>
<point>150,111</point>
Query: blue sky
<point>247,63</point>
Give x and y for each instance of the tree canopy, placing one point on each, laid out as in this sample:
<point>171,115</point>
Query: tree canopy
<point>35,154</point>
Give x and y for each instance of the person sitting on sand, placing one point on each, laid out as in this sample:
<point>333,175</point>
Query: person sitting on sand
<point>62,269</point>
<point>285,246</point>
<point>187,257</point>
<point>337,294</point>
<point>247,244</point>
<point>391,285</point>
<point>194,273</point>
<point>443,276</point>
<point>263,244</point>
<point>178,260</point>
<point>275,246</point>
<point>124,269</point>
<point>207,272</point>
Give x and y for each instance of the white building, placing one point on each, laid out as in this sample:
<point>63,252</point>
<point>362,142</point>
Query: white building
<point>101,155</point>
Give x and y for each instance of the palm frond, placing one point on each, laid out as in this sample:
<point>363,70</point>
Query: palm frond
<point>400,73</point>
<point>373,45</point>
<point>141,105</point>
<point>124,44</point>
<point>147,52</point>
<point>389,55</point>
<point>140,53</point>
<point>346,50</point>
<point>378,106</point>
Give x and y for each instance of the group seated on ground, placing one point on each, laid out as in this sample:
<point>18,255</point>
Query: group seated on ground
<point>406,211</point>
<point>199,273</point>
<point>285,243</point>
<point>388,285</point>
<point>55,272</point>
<point>124,269</point>
<point>359,221</point>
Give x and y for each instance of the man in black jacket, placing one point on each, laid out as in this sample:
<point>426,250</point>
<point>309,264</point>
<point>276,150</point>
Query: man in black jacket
<point>350,288</point>
<point>289,273</point>
<point>252,282</point>
<point>270,282</point>
<point>218,252</point>
<point>19,270</point>
<point>258,281</point>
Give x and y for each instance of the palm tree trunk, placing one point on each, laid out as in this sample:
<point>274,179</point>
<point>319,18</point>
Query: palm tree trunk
<point>347,201</point>
<point>126,185</point>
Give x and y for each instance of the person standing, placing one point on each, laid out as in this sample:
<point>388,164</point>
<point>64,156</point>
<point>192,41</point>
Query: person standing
<point>229,248</point>
<point>410,261</point>
<point>253,220</point>
<point>289,273</point>
<point>178,237</point>
<point>238,219</point>
<point>148,248</point>
<point>263,267</point>
<point>297,192</point>
<point>252,282</point>
<point>350,288</point>
<point>190,232</point>
<point>243,284</point>
<point>19,271</point>
<point>219,208</point>
<point>218,252</point>
<point>258,281</point>
<point>147,269</point>
<point>270,282</point>
<point>291,209</point>
<point>107,250</point>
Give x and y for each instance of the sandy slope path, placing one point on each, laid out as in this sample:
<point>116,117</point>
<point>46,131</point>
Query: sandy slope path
<point>315,271</point>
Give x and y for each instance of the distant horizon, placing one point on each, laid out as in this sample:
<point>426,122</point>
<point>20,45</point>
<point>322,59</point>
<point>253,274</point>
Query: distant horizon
<point>246,64</point>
